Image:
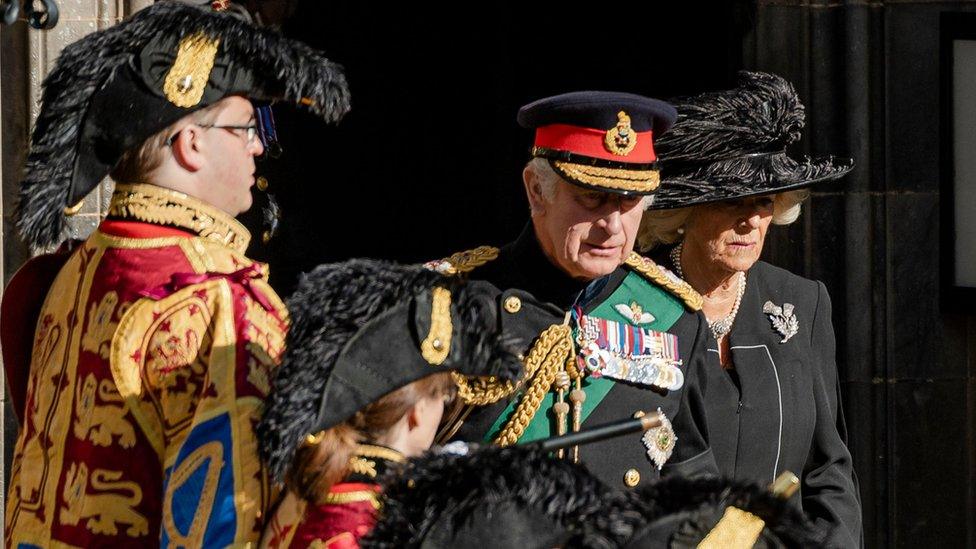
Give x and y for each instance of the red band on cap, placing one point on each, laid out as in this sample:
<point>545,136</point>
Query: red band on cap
<point>590,142</point>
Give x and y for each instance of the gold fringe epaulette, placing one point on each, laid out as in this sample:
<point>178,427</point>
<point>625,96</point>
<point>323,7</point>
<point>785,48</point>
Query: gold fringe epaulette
<point>665,279</point>
<point>463,262</point>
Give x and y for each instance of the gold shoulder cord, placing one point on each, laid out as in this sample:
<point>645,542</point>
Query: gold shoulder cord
<point>651,271</point>
<point>552,352</point>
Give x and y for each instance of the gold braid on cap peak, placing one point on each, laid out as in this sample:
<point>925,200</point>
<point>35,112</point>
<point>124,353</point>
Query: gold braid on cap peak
<point>666,279</point>
<point>612,178</point>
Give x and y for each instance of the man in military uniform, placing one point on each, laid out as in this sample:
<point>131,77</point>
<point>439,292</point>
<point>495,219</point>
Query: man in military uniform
<point>139,390</point>
<point>625,335</point>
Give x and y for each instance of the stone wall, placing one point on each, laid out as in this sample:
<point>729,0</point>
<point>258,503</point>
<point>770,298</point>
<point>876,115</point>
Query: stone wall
<point>869,75</point>
<point>28,55</point>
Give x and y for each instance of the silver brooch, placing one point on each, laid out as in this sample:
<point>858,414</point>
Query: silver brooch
<point>783,319</point>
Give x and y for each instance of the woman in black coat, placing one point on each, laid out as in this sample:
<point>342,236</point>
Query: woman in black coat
<point>774,405</point>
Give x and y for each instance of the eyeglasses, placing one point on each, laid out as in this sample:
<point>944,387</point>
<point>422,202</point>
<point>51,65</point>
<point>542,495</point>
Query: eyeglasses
<point>250,131</point>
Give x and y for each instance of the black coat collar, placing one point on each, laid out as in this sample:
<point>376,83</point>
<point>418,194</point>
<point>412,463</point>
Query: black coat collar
<point>536,274</point>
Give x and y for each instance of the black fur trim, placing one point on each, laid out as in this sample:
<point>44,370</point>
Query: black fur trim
<point>701,500</point>
<point>442,492</point>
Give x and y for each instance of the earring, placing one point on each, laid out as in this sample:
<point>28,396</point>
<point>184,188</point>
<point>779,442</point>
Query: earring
<point>681,230</point>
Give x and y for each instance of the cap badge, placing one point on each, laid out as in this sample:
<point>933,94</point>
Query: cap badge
<point>188,76</point>
<point>437,345</point>
<point>634,313</point>
<point>621,139</point>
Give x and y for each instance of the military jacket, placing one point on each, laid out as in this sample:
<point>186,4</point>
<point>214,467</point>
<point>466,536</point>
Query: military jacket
<point>152,355</point>
<point>656,300</point>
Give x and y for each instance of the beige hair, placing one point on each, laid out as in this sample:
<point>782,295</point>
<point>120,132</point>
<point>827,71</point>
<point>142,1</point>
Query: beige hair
<point>138,163</point>
<point>665,226</point>
<point>547,178</point>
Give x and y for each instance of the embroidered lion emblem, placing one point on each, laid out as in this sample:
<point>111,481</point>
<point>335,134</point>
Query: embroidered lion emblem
<point>104,511</point>
<point>100,423</point>
<point>97,337</point>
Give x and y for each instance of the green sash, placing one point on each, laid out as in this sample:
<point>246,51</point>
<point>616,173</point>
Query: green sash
<point>665,308</point>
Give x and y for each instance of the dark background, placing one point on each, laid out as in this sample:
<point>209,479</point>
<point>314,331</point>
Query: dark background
<point>428,163</point>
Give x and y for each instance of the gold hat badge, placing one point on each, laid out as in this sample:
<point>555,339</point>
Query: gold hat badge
<point>621,139</point>
<point>437,345</point>
<point>188,76</point>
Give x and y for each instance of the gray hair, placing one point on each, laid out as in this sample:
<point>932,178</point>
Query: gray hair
<point>667,226</point>
<point>547,178</point>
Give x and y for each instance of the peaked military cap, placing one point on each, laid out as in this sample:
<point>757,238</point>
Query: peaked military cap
<point>732,144</point>
<point>113,89</point>
<point>514,497</point>
<point>362,329</point>
<point>600,140</point>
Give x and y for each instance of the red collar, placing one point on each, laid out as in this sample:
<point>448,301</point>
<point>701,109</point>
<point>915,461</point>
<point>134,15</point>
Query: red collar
<point>139,229</point>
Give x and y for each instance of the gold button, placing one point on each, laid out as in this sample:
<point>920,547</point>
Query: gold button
<point>262,184</point>
<point>639,414</point>
<point>631,478</point>
<point>513,304</point>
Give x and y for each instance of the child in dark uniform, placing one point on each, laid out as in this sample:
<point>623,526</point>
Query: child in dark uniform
<point>369,363</point>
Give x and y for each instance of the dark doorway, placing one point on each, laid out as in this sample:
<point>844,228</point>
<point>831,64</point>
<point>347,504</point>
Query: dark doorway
<point>429,160</point>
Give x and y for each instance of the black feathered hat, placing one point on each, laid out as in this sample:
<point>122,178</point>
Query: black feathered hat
<point>732,144</point>
<point>362,329</point>
<point>600,140</point>
<point>501,498</point>
<point>113,89</point>
<point>684,512</point>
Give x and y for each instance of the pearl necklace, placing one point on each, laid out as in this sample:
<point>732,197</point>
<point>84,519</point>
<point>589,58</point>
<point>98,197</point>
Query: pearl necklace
<point>722,326</point>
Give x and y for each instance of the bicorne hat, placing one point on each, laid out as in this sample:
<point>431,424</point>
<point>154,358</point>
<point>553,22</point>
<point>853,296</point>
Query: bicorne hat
<point>115,88</point>
<point>600,140</point>
<point>732,144</point>
<point>362,329</point>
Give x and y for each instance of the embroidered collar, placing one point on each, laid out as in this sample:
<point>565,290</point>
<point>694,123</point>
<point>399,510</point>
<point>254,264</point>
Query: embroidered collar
<point>370,461</point>
<point>153,204</point>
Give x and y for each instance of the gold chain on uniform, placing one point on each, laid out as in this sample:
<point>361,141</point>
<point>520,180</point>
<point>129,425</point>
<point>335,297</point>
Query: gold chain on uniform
<point>553,350</point>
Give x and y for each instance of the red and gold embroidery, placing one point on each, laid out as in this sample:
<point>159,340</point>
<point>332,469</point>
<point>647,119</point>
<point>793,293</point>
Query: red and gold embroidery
<point>101,423</point>
<point>97,337</point>
<point>104,507</point>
